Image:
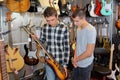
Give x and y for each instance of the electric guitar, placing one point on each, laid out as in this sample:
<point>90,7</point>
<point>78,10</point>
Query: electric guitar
<point>112,75</point>
<point>106,7</point>
<point>106,40</point>
<point>12,54</point>
<point>52,3</point>
<point>92,13</point>
<point>98,8</point>
<point>30,57</point>
<point>58,68</point>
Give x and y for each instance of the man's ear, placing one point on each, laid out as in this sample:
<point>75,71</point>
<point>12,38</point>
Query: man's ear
<point>57,17</point>
<point>84,9</point>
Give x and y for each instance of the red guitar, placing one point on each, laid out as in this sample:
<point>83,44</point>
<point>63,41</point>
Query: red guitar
<point>98,8</point>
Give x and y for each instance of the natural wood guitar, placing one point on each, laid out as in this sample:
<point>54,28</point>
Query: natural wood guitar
<point>112,75</point>
<point>58,68</point>
<point>18,5</point>
<point>106,40</point>
<point>3,68</point>
<point>12,54</point>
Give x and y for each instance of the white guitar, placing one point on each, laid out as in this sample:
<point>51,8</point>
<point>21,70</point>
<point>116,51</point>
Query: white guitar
<point>91,12</point>
<point>112,75</point>
<point>52,3</point>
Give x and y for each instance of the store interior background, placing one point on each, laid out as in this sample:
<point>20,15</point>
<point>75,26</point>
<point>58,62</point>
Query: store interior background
<point>20,37</point>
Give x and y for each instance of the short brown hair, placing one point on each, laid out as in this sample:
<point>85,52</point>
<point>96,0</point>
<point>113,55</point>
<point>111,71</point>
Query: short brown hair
<point>79,13</point>
<point>50,11</point>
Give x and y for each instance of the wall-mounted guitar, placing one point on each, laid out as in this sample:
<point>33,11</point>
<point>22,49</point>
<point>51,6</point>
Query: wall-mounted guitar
<point>18,5</point>
<point>58,68</point>
<point>106,7</point>
<point>118,21</point>
<point>106,40</point>
<point>92,10</point>
<point>14,60</point>
<point>30,57</point>
<point>52,3</point>
<point>98,8</point>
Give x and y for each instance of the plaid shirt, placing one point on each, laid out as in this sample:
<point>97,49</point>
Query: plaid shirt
<point>56,40</point>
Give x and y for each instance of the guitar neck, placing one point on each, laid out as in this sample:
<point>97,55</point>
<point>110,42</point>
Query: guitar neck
<point>3,68</point>
<point>39,43</point>
<point>10,34</point>
<point>111,57</point>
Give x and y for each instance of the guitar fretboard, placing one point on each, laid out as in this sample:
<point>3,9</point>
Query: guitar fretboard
<point>3,69</point>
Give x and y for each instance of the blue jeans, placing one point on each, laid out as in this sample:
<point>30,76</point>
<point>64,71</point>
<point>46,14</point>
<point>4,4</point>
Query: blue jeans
<point>82,73</point>
<point>50,73</point>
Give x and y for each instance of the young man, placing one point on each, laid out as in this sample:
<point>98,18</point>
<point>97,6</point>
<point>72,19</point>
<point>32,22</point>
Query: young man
<point>85,44</point>
<point>55,36</point>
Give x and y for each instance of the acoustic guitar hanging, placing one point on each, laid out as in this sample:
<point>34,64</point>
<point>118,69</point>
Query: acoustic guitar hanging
<point>18,5</point>
<point>118,21</point>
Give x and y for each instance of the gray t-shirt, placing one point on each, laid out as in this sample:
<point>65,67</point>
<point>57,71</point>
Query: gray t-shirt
<point>85,36</point>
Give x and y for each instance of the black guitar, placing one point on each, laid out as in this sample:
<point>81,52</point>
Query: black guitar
<point>30,57</point>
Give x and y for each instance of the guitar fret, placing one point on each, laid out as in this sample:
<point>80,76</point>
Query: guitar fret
<point>3,69</point>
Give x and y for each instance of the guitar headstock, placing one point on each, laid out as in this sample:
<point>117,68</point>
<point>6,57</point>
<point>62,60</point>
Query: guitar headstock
<point>8,14</point>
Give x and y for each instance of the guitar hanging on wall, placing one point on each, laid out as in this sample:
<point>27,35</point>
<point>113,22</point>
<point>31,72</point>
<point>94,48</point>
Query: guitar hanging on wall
<point>106,40</point>
<point>106,7</point>
<point>18,5</point>
<point>92,12</point>
<point>98,8</point>
<point>30,57</point>
<point>14,60</point>
<point>118,21</point>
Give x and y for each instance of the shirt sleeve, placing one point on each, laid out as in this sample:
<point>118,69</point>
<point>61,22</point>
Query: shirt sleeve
<point>91,36</point>
<point>66,47</point>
